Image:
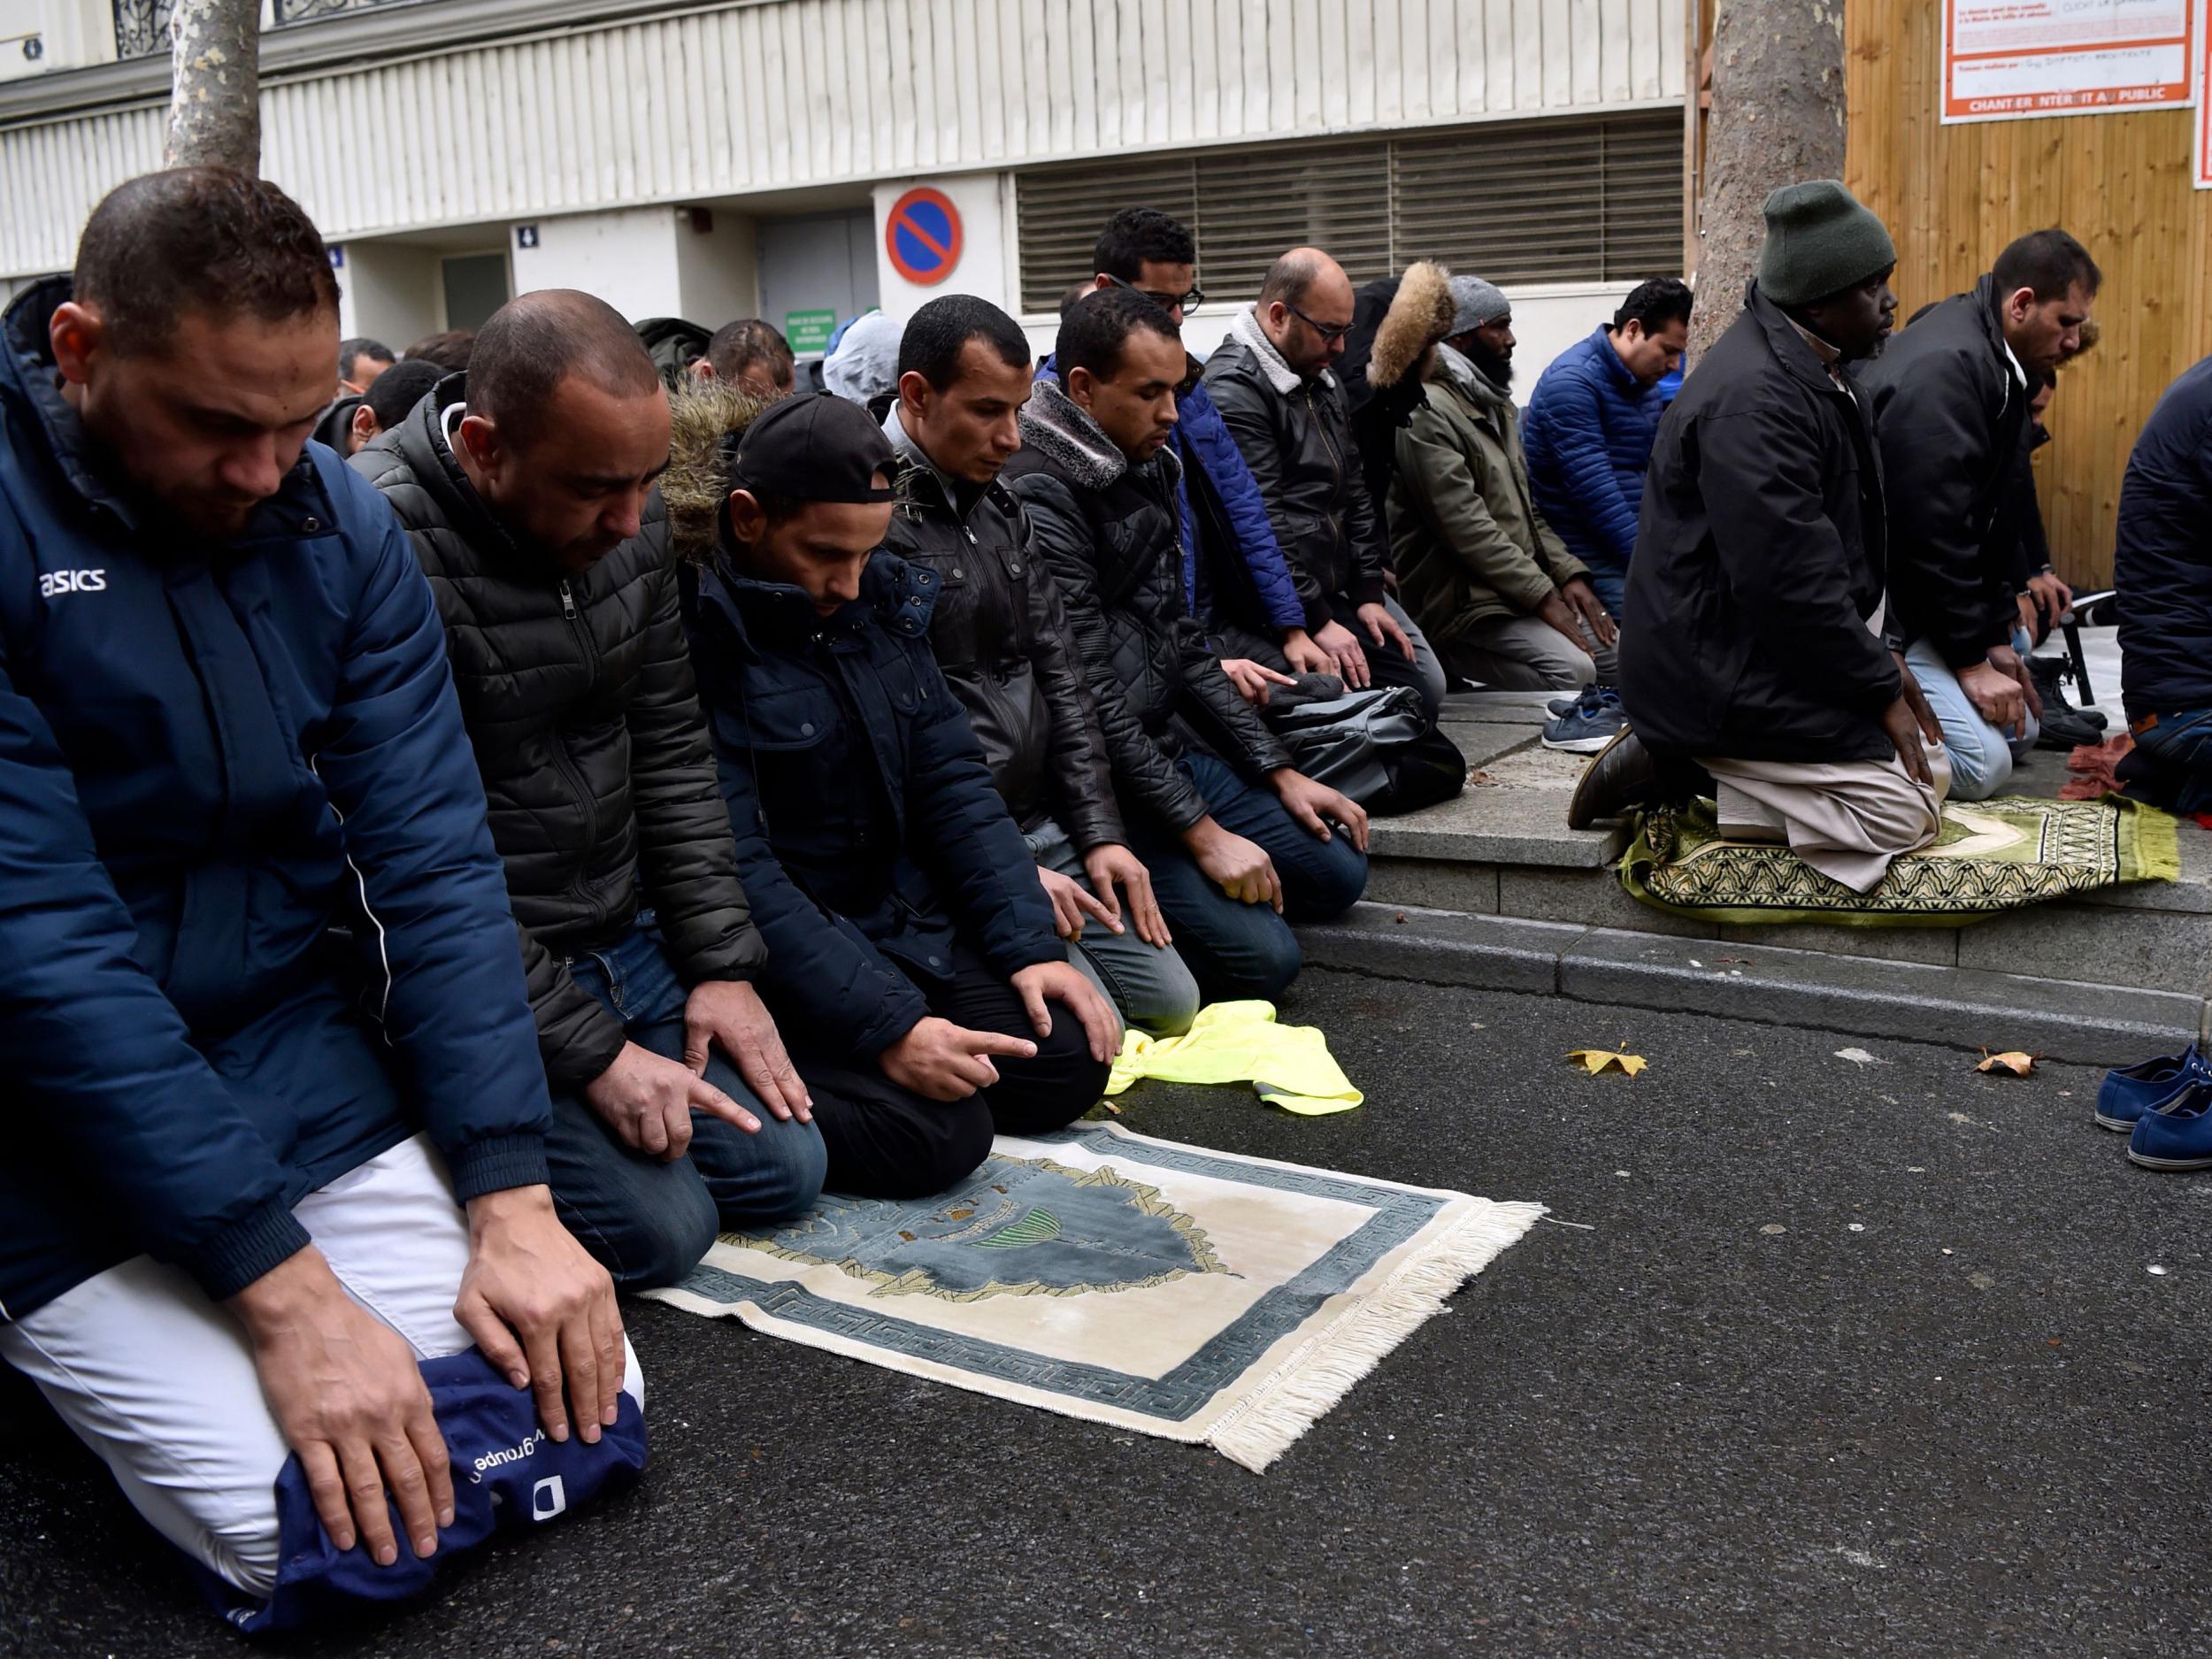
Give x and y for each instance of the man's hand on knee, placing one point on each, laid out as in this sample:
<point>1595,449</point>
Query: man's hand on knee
<point>729,1012</point>
<point>938,1060</point>
<point>542,1311</point>
<point>1315,805</point>
<point>1383,628</point>
<point>1239,867</point>
<point>648,1100</point>
<point>1057,982</point>
<point>1995,694</point>
<point>1584,601</point>
<point>345,1390</point>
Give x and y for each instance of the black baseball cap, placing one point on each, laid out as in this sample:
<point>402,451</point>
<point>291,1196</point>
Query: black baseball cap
<point>816,448</point>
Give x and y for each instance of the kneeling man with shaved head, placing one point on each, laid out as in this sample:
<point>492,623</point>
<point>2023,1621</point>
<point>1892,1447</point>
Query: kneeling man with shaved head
<point>527,487</point>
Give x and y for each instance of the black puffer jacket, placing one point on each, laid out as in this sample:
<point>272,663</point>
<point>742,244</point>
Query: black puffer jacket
<point>1112,536</point>
<point>580,701</point>
<point>1296,436</point>
<point>1001,636</point>
<point>1948,411</point>
<point>1759,559</point>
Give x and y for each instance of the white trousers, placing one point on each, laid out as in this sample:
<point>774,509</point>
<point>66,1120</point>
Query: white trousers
<point>160,1382</point>
<point>1846,820</point>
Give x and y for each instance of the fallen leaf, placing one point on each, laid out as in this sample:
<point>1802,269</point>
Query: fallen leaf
<point>1857,1056</point>
<point>2012,1060</point>
<point>1596,1060</point>
<point>1401,916</point>
<point>1479,778</point>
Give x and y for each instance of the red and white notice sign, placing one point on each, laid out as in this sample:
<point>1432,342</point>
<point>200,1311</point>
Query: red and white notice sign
<point>2203,54</point>
<point>2007,59</point>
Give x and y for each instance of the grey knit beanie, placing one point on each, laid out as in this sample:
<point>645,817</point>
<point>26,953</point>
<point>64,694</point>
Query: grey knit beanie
<point>1819,241</point>
<point>1475,303</point>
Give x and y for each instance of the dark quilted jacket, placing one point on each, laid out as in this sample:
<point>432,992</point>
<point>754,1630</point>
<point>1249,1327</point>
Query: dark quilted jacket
<point>1112,536</point>
<point>580,705</point>
<point>1296,436</point>
<point>1001,636</point>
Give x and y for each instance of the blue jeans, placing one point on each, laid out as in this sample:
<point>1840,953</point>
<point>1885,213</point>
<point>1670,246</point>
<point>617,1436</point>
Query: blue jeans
<point>2182,745</point>
<point>1981,755</point>
<point>649,1220</point>
<point>1150,986</point>
<point>1246,950</point>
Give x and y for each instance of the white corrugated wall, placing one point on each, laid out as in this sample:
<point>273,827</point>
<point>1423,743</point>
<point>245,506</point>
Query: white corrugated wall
<point>700,104</point>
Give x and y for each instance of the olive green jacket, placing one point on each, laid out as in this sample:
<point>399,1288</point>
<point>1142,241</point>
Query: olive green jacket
<point>1464,533</point>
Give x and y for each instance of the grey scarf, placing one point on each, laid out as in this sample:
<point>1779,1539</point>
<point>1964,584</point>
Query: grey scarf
<point>1478,387</point>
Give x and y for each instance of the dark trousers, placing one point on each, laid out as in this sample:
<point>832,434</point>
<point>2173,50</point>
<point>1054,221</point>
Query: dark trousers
<point>649,1220</point>
<point>886,1141</point>
<point>1237,950</point>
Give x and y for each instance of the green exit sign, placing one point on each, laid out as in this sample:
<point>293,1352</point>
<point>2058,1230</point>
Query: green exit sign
<point>809,331</point>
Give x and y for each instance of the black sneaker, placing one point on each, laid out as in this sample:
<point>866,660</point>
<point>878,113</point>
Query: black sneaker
<point>2063,722</point>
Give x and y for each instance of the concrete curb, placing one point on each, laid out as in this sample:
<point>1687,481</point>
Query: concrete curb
<point>2096,1025</point>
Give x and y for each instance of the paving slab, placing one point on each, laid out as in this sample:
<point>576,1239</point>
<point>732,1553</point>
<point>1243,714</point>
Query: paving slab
<point>1501,826</point>
<point>2160,950</point>
<point>1592,898</point>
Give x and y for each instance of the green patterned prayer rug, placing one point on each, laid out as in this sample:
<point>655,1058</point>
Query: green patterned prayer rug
<point>1993,856</point>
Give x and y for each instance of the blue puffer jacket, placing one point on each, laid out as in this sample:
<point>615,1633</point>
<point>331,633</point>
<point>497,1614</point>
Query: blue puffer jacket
<point>1235,512</point>
<point>204,763</point>
<point>1589,438</point>
<point>867,825</point>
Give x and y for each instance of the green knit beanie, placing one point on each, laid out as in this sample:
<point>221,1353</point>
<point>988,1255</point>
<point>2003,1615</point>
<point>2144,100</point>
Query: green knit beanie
<point>1819,241</point>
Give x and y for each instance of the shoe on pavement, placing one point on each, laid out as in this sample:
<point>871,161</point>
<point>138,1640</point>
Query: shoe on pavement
<point>2176,1134</point>
<point>1620,778</point>
<point>1594,720</point>
<point>2128,1091</point>
<point>2066,729</point>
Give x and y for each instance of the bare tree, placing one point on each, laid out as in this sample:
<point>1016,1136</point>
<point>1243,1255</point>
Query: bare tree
<point>215,94</point>
<point>1778,117</point>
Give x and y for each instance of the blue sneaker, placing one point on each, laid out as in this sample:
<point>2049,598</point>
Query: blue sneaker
<point>2176,1134</point>
<point>1595,720</point>
<point>1558,706</point>
<point>2128,1091</point>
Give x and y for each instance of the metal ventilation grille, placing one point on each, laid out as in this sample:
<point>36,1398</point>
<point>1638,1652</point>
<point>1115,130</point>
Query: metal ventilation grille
<point>1515,202</point>
<point>1060,212</point>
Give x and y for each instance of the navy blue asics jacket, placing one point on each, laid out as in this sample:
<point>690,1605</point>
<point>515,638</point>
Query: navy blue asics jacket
<point>207,755</point>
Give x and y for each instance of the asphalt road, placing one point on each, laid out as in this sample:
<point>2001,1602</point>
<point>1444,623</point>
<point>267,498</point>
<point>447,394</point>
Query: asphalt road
<point>1849,1360</point>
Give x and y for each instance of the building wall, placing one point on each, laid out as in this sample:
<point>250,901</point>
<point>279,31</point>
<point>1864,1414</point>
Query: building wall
<point>751,95</point>
<point>1954,195</point>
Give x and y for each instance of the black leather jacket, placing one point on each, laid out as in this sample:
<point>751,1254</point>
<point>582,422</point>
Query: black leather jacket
<point>580,705</point>
<point>1001,636</point>
<point>1296,436</point>
<point>1112,536</point>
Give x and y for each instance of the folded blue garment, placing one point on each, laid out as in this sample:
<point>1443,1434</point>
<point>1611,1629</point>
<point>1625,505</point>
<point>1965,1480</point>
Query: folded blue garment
<point>507,1472</point>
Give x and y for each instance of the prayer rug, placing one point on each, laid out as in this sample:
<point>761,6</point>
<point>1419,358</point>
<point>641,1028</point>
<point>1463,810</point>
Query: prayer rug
<point>1991,856</point>
<point>1195,1295</point>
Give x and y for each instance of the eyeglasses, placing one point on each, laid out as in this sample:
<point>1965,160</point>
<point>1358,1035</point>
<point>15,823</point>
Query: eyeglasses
<point>1329,336</point>
<point>1189,301</point>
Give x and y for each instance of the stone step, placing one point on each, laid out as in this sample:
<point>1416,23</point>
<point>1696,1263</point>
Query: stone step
<point>1971,1008</point>
<point>1502,850</point>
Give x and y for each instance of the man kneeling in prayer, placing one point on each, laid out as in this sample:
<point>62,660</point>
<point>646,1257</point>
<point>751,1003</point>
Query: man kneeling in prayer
<point>1754,644</point>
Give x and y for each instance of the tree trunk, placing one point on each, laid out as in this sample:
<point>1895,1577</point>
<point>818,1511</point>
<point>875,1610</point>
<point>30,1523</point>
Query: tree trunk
<point>1777,118</point>
<point>215,99</point>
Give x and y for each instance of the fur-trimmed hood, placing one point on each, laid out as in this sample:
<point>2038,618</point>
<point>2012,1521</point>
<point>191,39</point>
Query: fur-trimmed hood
<point>1420,316</point>
<point>707,418</point>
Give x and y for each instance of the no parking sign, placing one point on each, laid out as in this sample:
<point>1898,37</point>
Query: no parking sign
<point>922,235</point>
